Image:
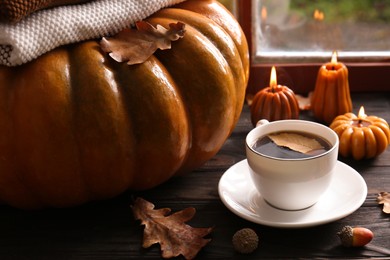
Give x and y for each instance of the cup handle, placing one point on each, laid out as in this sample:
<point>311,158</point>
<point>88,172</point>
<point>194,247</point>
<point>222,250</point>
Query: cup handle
<point>262,122</point>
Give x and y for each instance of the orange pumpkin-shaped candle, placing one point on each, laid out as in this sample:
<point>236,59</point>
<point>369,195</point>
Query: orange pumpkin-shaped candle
<point>274,102</point>
<point>362,136</point>
<point>331,95</point>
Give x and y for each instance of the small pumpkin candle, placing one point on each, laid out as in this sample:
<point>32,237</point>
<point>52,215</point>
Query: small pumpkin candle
<point>362,136</point>
<point>331,96</point>
<point>274,102</point>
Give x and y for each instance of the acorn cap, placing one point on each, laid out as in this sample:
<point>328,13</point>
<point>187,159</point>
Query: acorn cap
<point>346,236</point>
<point>245,241</point>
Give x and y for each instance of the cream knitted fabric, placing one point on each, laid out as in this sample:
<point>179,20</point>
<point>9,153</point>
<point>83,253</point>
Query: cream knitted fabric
<point>47,29</point>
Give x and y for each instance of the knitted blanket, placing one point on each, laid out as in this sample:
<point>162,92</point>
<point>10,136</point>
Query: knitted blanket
<point>12,11</point>
<point>47,29</point>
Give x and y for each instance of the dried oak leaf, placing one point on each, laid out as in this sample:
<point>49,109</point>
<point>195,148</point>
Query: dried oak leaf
<point>136,45</point>
<point>170,231</point>
<point>295,142</point>
<point>384,198</point>
<point>304,103</point>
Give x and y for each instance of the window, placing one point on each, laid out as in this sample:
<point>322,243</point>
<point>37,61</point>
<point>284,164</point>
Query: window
<point>296,30</point>
<point>298,36</point>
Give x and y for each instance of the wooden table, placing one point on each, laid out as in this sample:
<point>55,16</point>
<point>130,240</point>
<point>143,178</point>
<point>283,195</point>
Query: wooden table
<point>107,230</point>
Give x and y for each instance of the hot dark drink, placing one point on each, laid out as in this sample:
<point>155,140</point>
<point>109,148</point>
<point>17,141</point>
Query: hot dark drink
<point>266,145</point>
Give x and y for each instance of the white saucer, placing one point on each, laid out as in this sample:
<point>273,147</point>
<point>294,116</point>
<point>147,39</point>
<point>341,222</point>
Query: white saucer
<point>346,193</point>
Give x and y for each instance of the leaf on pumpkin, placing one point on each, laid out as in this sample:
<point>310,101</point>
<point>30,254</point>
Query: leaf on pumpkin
<point>170,231</point>
<point>384,198</point>
<point>136,45</point>
<point>295,142</point>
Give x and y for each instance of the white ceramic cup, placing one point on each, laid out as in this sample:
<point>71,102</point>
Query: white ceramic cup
<point>291,184</point>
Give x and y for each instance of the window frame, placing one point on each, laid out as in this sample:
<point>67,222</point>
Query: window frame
<point>301,77</point>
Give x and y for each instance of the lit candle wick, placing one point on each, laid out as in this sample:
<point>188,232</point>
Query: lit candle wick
<point>361,120</point>
<point>362,113</point>
<point>334,59</point>
<point>273,82</point>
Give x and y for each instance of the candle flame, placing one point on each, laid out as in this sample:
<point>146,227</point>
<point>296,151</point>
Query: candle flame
<point>362,113</point>
<point>273,81</point>
<point>264,13</point>
<point>334,57</point>
<point>318,15</point>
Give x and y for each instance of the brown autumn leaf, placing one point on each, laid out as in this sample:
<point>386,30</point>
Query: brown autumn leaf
<point>170,231</point>
<point>295,142</point>
<point>304,102</point>
<point>384,198</point>
<point>135,46</point>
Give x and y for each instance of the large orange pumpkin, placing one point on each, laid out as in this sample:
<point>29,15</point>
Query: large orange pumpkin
<point>76,126</point>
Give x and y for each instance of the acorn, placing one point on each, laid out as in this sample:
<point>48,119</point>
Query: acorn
<point>355,236</point>
<point>245,241</point>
